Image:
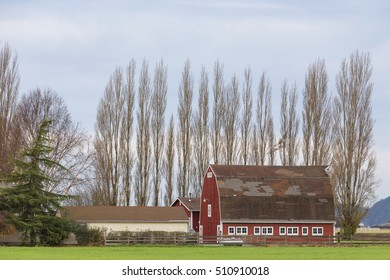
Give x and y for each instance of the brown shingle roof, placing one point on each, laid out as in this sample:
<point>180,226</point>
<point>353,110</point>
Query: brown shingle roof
<point>124,214</point>
<point>274,192</point>
<point>191,203</point>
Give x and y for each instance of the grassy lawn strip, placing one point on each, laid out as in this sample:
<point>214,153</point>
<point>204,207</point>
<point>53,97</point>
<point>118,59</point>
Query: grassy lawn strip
<point>379,252</point>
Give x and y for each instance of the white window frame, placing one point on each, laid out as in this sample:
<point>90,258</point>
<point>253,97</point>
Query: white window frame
<point>282,229</point>
<point>209,210</point>
<point>305,229</point>
<point>293,231</point>
<point>209,174</point>
<point>257,233</point>
<point>241,230</point>
<point>315,231</point>
<point>231,228</point>
<point>267,230</point>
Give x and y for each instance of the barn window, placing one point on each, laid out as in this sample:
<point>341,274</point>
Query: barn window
<point>317,231</point>
<point>231,230</point>
<point>209,175</point>
<point>256,231</point>
<point>241,230</point>
<point>209,210</point>
<point>292,231</point>
<point>282,230</point>
<point>268,231</point>
<point>305,231</point>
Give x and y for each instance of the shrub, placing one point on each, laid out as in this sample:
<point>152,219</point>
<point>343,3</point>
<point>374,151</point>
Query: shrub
<point>89,236</point>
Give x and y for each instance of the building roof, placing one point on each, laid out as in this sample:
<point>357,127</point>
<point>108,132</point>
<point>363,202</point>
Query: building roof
<point>274,193</point>
<point>120,214</point>
<point>191,203</point>
<point>383,225</point>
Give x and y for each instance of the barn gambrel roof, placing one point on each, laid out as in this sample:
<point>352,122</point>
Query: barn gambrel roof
<point>281,193</point>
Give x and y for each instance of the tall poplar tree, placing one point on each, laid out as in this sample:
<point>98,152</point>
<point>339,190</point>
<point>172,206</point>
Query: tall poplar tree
<point>201,132</point>
<point>246,117</point>
<point>158,106</point>
<point>264,120</point>
<point>217,113</point>
<point>143,137</point>
<point>184,137</point>
<point>231,122</point>
<point>316,116</point>
<point>114,158</point>
<point>289,126</point>
<point>354,160</point>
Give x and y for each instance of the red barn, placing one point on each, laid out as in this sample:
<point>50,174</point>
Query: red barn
<point>191,206</point>
<point>271,201</point>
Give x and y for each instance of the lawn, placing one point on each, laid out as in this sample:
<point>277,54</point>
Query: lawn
<point>367,252</point>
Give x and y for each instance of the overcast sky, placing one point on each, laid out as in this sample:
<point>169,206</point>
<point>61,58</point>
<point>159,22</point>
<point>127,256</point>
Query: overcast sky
<point>74,46</point>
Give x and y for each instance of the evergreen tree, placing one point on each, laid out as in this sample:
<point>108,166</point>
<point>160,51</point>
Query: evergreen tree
<point>28,206</point>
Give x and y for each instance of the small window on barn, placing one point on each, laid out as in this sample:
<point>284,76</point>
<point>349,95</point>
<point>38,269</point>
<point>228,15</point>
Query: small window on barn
<point>292,231</point>
<point>231,230</point>
<point>267,231</point>
<point>209,210</point>
<point>318,231</point>
<point>256,231</point>
<point>282,230</point>
<point>209,174</point>
<point>305,231</point>
<point>241,230</point>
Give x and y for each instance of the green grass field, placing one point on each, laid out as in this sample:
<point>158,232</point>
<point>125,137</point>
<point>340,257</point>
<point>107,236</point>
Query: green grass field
<point>368,252</point>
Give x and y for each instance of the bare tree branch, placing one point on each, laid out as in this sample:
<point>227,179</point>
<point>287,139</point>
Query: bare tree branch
<point>70,142</point>
<point>9,90</point>
<point>316,116</point>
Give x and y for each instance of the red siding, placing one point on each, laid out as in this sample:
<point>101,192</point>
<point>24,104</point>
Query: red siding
<point>328,231</point>
<point>195,215</point>
<point>195,220</point>
<point>210,196</point>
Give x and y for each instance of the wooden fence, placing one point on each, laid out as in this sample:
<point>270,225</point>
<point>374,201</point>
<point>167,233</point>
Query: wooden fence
<point>184,239</point>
